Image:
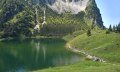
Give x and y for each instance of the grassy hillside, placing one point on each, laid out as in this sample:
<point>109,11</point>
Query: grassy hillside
<point>100,44</point>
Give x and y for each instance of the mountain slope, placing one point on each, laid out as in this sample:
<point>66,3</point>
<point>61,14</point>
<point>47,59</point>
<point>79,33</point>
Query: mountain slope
<point>93,13</point>
<point>62,17</point>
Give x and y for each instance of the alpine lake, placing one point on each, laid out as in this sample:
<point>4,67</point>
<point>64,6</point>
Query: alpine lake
<point>23,55</point>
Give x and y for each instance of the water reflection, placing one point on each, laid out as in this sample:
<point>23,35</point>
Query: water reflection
<point>32,54</point>
<point>38,48</point>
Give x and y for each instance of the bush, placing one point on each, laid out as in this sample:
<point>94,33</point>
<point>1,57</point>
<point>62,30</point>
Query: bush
<point>107,31</point>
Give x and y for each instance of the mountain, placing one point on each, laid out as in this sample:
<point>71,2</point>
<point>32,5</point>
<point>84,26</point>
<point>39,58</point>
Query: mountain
<point>73,6</point>
<point>19,17</point>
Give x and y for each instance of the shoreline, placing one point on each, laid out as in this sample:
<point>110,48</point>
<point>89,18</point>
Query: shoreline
<point>45,37</point>
<point>9,38</point>
<point>36,37</point>
<point>88,56</point>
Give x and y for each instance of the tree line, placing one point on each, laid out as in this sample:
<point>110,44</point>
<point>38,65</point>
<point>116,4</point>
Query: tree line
<point>114,28</point>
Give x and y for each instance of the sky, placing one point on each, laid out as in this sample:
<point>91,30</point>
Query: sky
<point>110,11</point>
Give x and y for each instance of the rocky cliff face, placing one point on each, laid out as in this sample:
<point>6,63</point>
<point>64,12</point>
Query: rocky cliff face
<point>93,13</point>
<point>71,6</point>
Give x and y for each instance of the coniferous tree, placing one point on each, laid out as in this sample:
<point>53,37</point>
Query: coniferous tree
<point>110,28</point>
<point>114,28</point>
<point>89,32</point>
<point>118,27</point>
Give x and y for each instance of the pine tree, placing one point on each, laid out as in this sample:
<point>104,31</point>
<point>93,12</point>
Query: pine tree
<point>110,28</point>
<point>89,32</point>
<point>114,28</point>
<point>118,27</point>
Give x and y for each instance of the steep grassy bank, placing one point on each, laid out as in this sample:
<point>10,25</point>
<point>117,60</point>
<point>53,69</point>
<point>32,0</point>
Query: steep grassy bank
<point>100,44</point>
